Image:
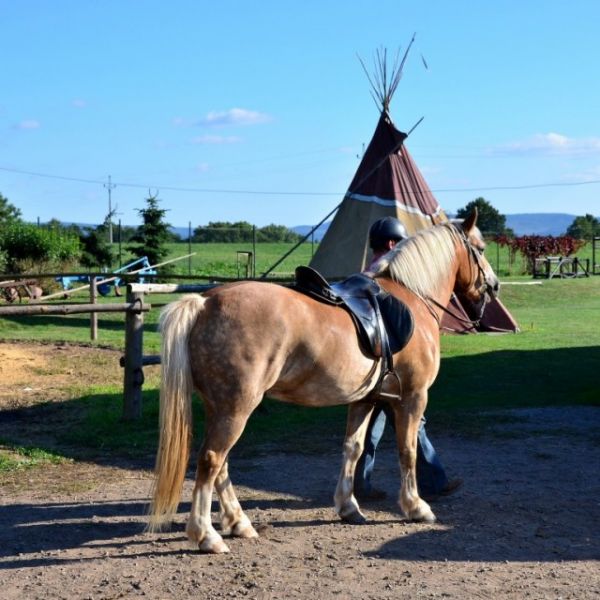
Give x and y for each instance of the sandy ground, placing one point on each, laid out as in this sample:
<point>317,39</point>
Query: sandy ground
<point>526,524</point>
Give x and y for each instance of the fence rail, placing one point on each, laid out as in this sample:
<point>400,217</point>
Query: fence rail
<point>134,308</point>
<point>71,309</point>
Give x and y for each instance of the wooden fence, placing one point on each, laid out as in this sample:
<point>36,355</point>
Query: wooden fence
<point>134,360</point>
<point>134,307</point>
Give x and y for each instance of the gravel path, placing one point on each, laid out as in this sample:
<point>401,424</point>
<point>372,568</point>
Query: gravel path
<point>526,524</point>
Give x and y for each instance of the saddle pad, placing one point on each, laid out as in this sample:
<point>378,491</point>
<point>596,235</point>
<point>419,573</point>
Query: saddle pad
<point>398,319</point>
<point>358,294</point>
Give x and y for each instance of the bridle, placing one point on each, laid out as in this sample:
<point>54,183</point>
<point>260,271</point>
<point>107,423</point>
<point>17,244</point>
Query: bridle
<point>484,289</point>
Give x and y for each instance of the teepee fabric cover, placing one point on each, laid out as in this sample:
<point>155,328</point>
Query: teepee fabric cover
<point>388,183</point>
<point>495,318</point>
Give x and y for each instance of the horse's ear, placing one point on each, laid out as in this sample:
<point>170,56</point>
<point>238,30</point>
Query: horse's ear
<point>470,221</point>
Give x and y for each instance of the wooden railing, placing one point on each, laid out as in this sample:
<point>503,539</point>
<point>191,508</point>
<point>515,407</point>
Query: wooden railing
<point>134,308</point>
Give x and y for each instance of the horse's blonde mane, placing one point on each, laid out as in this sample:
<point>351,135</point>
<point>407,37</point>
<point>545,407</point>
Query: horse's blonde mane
<point>421,261</point>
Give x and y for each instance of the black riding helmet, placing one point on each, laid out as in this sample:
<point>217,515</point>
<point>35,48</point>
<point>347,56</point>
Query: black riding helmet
<point>387,228</point>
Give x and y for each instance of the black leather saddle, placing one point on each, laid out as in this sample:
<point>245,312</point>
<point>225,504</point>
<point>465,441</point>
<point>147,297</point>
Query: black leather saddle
<point>384,324</point>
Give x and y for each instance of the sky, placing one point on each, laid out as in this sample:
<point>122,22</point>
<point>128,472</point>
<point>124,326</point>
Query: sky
<point>259,111</point>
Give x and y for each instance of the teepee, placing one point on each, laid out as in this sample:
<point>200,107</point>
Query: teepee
<point>388,183</point>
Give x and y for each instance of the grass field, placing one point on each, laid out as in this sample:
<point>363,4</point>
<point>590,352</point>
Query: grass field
<point>231,260</point>
<point>223,259</point>
<point>552,361</point>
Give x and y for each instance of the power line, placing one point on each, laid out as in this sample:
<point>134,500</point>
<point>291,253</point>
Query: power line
<point>489,188</point>
<point>46,175</point>
<point>527,186</point>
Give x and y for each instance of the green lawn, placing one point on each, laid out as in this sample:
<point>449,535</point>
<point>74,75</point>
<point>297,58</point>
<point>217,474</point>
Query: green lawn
<point>552,314</point>
<point>552,361</point>
<point>231,260</point>
<point>228,260</point>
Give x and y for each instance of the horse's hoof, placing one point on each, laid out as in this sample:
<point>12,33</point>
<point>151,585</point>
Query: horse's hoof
<point>354,518</point>
<point>422,516</point>
<point>428,518</point>
<point>213,546</point>
<point>244,530</point>
<point>421,513</point>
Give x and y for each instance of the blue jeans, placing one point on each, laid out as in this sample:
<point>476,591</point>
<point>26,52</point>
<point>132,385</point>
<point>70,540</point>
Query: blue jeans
<point>431,477</point>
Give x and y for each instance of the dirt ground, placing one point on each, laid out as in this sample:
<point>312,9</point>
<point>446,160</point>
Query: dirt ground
<point>525,524</point>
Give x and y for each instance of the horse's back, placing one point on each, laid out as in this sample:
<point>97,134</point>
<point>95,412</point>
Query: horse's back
<point>270,338</point>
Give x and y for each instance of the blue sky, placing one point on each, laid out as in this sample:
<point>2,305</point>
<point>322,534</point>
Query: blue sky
<point>257,111</point>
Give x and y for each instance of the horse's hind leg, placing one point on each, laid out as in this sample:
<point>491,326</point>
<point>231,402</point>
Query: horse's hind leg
<point>346,505</point>
<point>233,519</point>
<point>221,435</point>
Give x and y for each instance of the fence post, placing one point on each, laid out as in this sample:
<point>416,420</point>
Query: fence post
<point>134,375</point>
<point>93,315</point>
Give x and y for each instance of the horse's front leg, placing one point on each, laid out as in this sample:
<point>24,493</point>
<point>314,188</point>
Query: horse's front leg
<point>346,505</point>
<point>407,420</point>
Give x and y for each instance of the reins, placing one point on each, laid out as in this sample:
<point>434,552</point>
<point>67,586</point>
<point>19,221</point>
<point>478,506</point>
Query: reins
<point>428,300</point>
<point>430,303</point>
<point>471,322</point>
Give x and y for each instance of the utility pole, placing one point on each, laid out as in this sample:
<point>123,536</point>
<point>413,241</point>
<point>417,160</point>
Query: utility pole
<point>110,187</point>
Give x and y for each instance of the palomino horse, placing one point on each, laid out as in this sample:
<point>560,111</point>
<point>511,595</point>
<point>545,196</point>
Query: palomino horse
<point>242,341</point>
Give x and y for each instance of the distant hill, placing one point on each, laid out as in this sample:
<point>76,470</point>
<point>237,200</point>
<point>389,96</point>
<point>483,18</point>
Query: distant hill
<point>182,232</point>
<point>539,223</point>
<point>521,224</point>
<point>319,232</point>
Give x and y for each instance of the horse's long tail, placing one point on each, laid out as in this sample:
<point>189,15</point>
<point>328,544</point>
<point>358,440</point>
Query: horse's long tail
<point>176,322</point>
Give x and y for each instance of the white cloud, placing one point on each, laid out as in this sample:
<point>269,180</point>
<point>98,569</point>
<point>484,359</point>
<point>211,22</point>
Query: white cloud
<point>216,139</point>
<point>181,122</point>
<point>551,144</point>
<point>234,116</point>
<point>216,118</point>
<point>584,176</point>
<point>28,124</point>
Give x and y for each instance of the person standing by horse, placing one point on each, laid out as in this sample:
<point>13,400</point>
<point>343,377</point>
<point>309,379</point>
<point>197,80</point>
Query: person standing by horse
<point>432,480</point>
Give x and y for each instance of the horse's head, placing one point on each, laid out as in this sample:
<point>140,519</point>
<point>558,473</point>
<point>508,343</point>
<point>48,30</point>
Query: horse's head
<point>475,280</point>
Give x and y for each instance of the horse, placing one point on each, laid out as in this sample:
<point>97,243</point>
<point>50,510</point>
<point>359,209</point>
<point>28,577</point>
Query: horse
<point>244,340</point>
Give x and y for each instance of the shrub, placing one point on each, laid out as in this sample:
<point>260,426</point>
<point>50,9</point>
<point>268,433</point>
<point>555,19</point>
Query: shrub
<point>536,246</point>
<point>28,247</point>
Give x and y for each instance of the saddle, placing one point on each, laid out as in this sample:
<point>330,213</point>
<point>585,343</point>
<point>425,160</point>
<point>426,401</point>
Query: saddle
<point>383,323</point>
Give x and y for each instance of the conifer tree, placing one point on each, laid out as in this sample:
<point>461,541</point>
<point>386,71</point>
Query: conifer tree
<point>152,235</point>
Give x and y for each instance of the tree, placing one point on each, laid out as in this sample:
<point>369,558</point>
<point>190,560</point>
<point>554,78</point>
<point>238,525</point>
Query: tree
<point>584,228</point>
<point>9,215</point>
<point>8,212</point>
<point>489,220</point>
<point>242,232</point>
<point>96,251</point>
<point>152,235</point>
<point>277,233</point>
<point>223,232</point>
